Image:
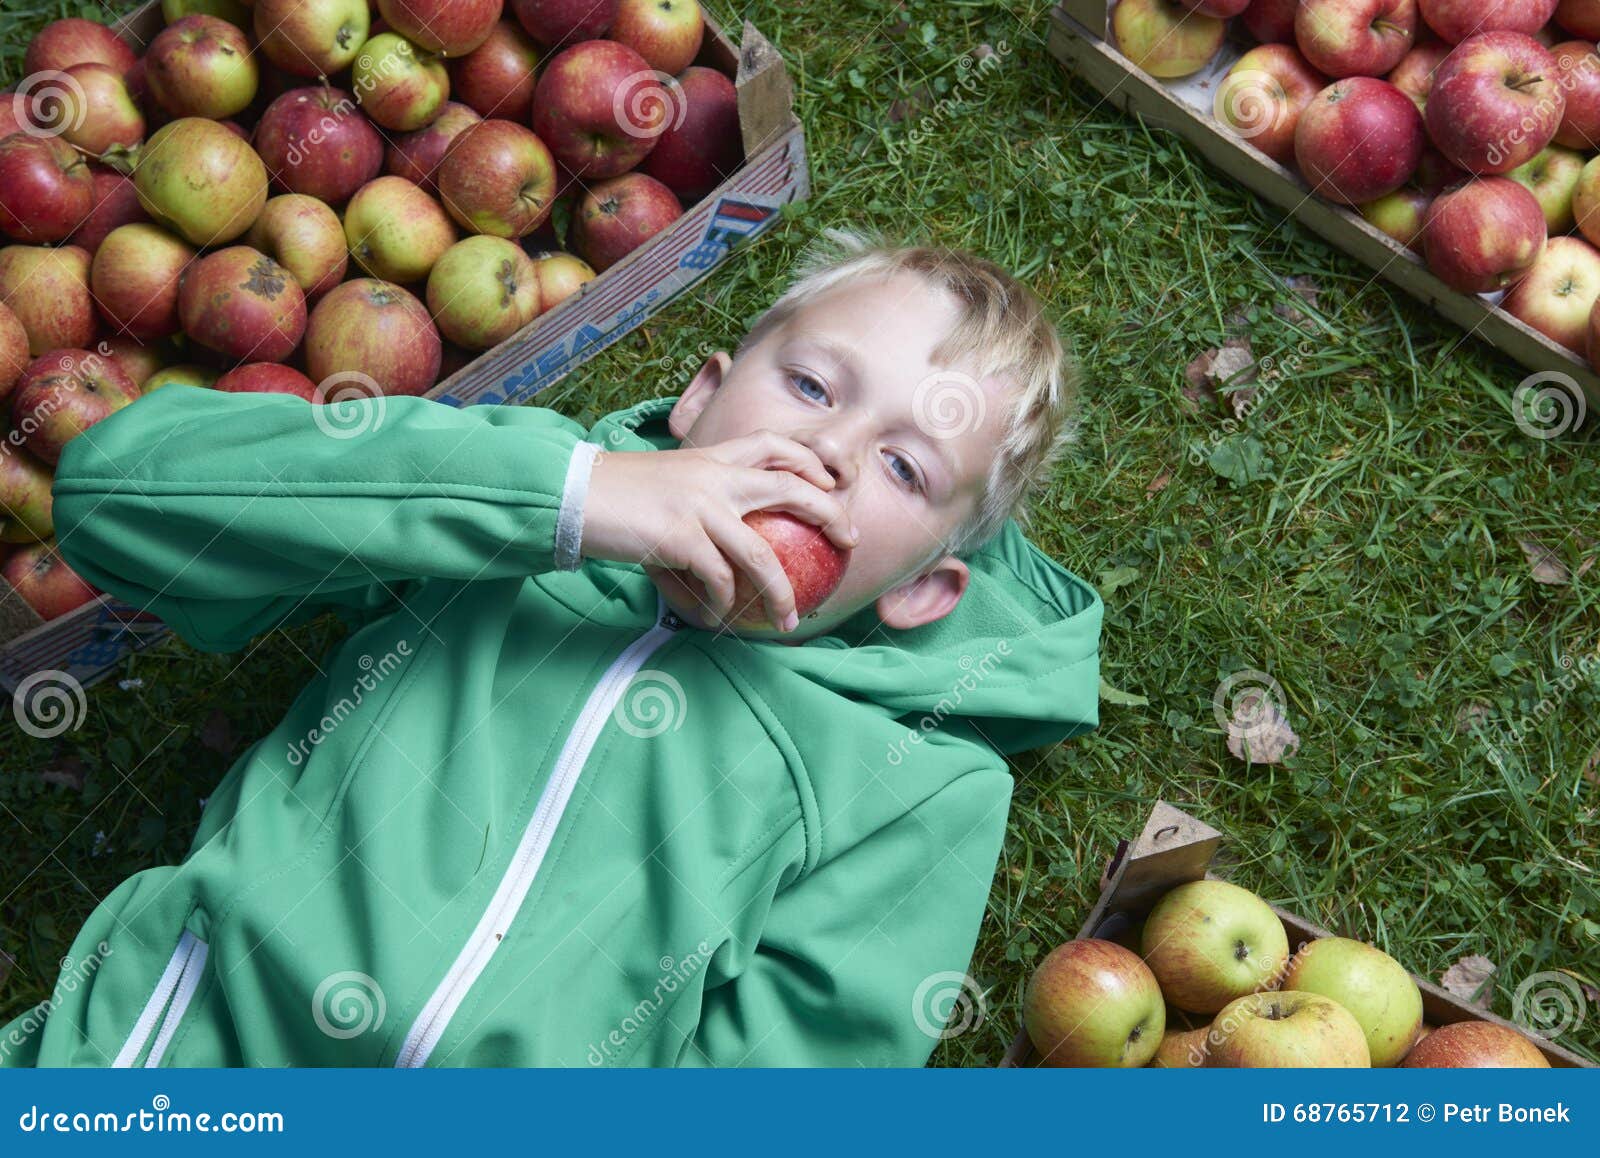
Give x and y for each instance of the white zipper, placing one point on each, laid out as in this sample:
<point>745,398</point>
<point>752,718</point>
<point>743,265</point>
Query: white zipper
<point>188,980</point>
<point>434,1019</point>
<point>172,978</point>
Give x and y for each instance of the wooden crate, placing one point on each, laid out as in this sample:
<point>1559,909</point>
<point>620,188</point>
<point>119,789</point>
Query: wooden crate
<point>1175,848</point>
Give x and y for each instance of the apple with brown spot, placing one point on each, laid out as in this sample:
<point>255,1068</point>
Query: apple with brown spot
<point>242,304</point>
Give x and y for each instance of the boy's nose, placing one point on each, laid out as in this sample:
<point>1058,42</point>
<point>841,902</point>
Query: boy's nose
<point>829,447</point>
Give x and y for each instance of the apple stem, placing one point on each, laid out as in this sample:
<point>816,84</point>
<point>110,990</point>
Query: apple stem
<point>123,158</point>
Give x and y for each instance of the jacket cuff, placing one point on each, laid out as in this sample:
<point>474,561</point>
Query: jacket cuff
<point>569,520</point>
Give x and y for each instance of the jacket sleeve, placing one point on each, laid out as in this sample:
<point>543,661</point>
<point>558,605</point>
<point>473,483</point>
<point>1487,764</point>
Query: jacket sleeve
<point>230,514</point>
<point>863,959</point>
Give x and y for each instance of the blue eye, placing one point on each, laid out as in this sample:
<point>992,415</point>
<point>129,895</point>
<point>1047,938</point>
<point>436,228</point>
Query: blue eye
<point>903,470</point>
<point>802,381</point>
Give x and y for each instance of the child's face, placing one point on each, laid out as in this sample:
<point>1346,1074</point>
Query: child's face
<point>909,442</point>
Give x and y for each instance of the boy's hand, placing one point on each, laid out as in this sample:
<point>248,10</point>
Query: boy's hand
<point>684,510</point>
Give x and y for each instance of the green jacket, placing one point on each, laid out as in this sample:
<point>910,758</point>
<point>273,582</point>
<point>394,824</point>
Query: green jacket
<point>523,817</point>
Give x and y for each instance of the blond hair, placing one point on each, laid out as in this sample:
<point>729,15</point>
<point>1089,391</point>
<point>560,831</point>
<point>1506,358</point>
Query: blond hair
<point>1002,331</point>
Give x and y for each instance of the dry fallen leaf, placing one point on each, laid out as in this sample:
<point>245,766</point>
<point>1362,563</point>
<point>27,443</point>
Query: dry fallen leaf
<point>1548,567</point>
<point>1469,980</point>
<point>1258,731</point>
<point>1159,483</point>
<point>1470,717</point>
<point>68,772</point>
<point>1232,364</point>
<point>1306,289</point>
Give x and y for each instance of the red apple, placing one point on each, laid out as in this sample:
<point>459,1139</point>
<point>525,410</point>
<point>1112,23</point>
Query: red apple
<point>242,304</point>
<point>116,203</point>
<point>559,23</point>
<point>307,238</point>
<point>560,276</point>
<point>1580,17</point>
<point>496,78</point>
<point>64,43</point>
<point>26,504</point>
<point>1435,173</point>
<point>1553,177</point>
<point>483,290</point>
<point>1358,140</point>
<point>498,178</point>
<point>1093,1003</point>
<point>599,108</point>
<point>202,66</point>
<point>1271,21</point>
<point>1414,74</point>
<point>1401,215</point>
<point>616,217</point>
<point>1559,293</point>
<point>1495,102</point>
<point>1355,37</point>
<point>1164,38</point>
<point>315,141</point>
<point>1475,1045</point>
<point>398,87</point>
<point>267,378</point>
<point>447,27</point>
<point>416,156</point>
<point>97,110</point>
<point>14,353</point>
<point>201,181</point>
<point>373,330</point>
<point>1456,20</point>
<point>1262,97</point>
<point>46,188</point>
<point>667,33</point>
<point>1578,77</point>
<point>312,40</point>
<point>41,576</point>
<point>62,394</point>
<point>700,147</point>
<point>1484,236</point>
<point>815,568</point>
<point>48,290</point>
<point>396,231</point>
<point>135,278</point>
<point>138,361</point>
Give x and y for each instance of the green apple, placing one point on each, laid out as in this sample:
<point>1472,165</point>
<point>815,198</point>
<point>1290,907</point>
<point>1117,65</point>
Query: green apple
<point>1209,942</point>
<point>1552,177</point>
<point>1286,1029</point>
<point>1093,1003</point>
<point>1166,39</point>
<point>183,375</point>
<point>1372,985</point>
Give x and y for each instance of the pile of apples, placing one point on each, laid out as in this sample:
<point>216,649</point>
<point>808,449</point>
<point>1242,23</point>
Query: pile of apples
<point>324,198</point>
<point>1213,984</point>
<point>1467,130</point>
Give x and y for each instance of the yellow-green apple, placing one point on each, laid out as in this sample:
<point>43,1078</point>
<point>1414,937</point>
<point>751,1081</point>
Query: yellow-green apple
<point>62,394</point>
<point>483,290</point>
<point>667,33</point>
<point>1166,39</point>
<point>267,378</point>
<point>1580,17</point>
<point>1271,21</point>
<point>44,581</point>
<point>1209,942</point>
<point>14,354</point>
<point>700,147</point>
<point>26,504</point>
<point>1221,9</point>
<point>1578,77</point>
<point>1371,985</point>
<point>815,568</point>
<point>600,108</point>
<point>202,66</point>
<point>1495,102</point>
<point>97,111</point>
<point>1558,295</point>
<point>1263,95</point>
<point>1586,201</point>
<point>48,291</point>
<point>1092,1003</point>
<point>498,178</point>
<point>613,218</point>
<point>1457,20</point>
<point>395,231</point>
<point>134,278</point>
<point>242,304</point>
<point>315,141</point>
<point>1182,1049</point>
<point>1552,177</point>
<point>311,40</point>
<point>116,203</point>
<point>374,330</point>
<point>233,11</point>
<point>416,156</point>
<point>1400,214</point>
<point>184,374</point>
<point>63,43</point>
<point>560,276</point>
<point>1355,37</point>
<point>307,238</point>
<point>1475,1045</point>
<point>1286,1030</point>
<point>561,23</point>
<point>398,87</point>
<point>1359,139</point>
<point>1414,74</point>
<point>46,188</point>
<point>1484,236</point>
<point>137,360</point>
<point>446,27</point>
<point>201,180</point>
<point>496,79</point>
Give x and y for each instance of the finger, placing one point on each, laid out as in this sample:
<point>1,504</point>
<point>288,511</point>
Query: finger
<point>754,556</point>
<point>770,450</point>
<point>781,491</point>
<point>707,564</point>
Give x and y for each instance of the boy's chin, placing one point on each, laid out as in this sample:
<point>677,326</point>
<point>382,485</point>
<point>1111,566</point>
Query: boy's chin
<point>685,597</point>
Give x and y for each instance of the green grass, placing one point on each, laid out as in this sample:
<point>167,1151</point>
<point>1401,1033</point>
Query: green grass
<point>1370,564</point>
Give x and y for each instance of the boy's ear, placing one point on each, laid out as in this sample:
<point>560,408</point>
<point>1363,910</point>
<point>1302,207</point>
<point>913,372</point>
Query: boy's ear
<point>927,597</point>
<point>693,400</point>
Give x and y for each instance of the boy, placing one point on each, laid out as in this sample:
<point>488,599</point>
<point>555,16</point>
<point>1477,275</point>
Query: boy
<point>541,807</point>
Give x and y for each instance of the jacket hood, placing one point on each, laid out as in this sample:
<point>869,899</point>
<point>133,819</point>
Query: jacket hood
<point>1017,662</point>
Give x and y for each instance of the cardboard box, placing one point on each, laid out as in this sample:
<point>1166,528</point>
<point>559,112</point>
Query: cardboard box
<point>1081,40</point>
<point>87,643</point>
<point>1175,848</point>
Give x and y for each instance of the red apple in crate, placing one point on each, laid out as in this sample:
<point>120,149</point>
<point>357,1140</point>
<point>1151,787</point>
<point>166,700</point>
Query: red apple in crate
<point>815,568</point>
<point>1271,21</point>
<point>1578,77</point>
<point>1484,236</point>
<point>373,332</point>
<point>498,178</point>
<point>1456,20</point>
<point>41,576</point>
<point>1553,178</point>
<point>201,181</point>
<point>483,290</point>
<point>1355,37</point>
<point>395,231</point>
<point>26,504</point>
<point>496,78</point>
<point>46,188</point>
<point>315,141</point>
<point>14,355</point>
<point>135,278</point>
<point>1164,38</point>
<point>62,394</point>
<point>202,67</point>
<point>416,156</point>
<point>398,87</point>
<point>701,146</point>
<point>1263,95</point>
<point>1286,1030</point>
<point>1401,215</point>
<point>1221,9</point>
<point>1093,1003</point>
<point>307,238</point>
<point>600,108</point>
<point>236,12</point>
<point>138,361</point>
<point>116,203</point>
<point>559,23</point>
<point>97,109</point>
<point>1209,942</point>
<point>188,374</point>
<point>311,39</point>
<point>1475,1045</point>
<point>667,33</point>
<point>1558,295</point>
<point>1372,987</point>
<point>1495,102</point>
<point>267,378</point>
<point>616,217</point>
<point>242,304</point>
<point>560,276</point>
<point>446,27</point>
<point>1435,174</point>
<point>13,115</point>
<point>64,43</point>
<point>48,291</point>
<point>1414,74</point>
<point>1358,140</point>
<point>1580,17</point>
